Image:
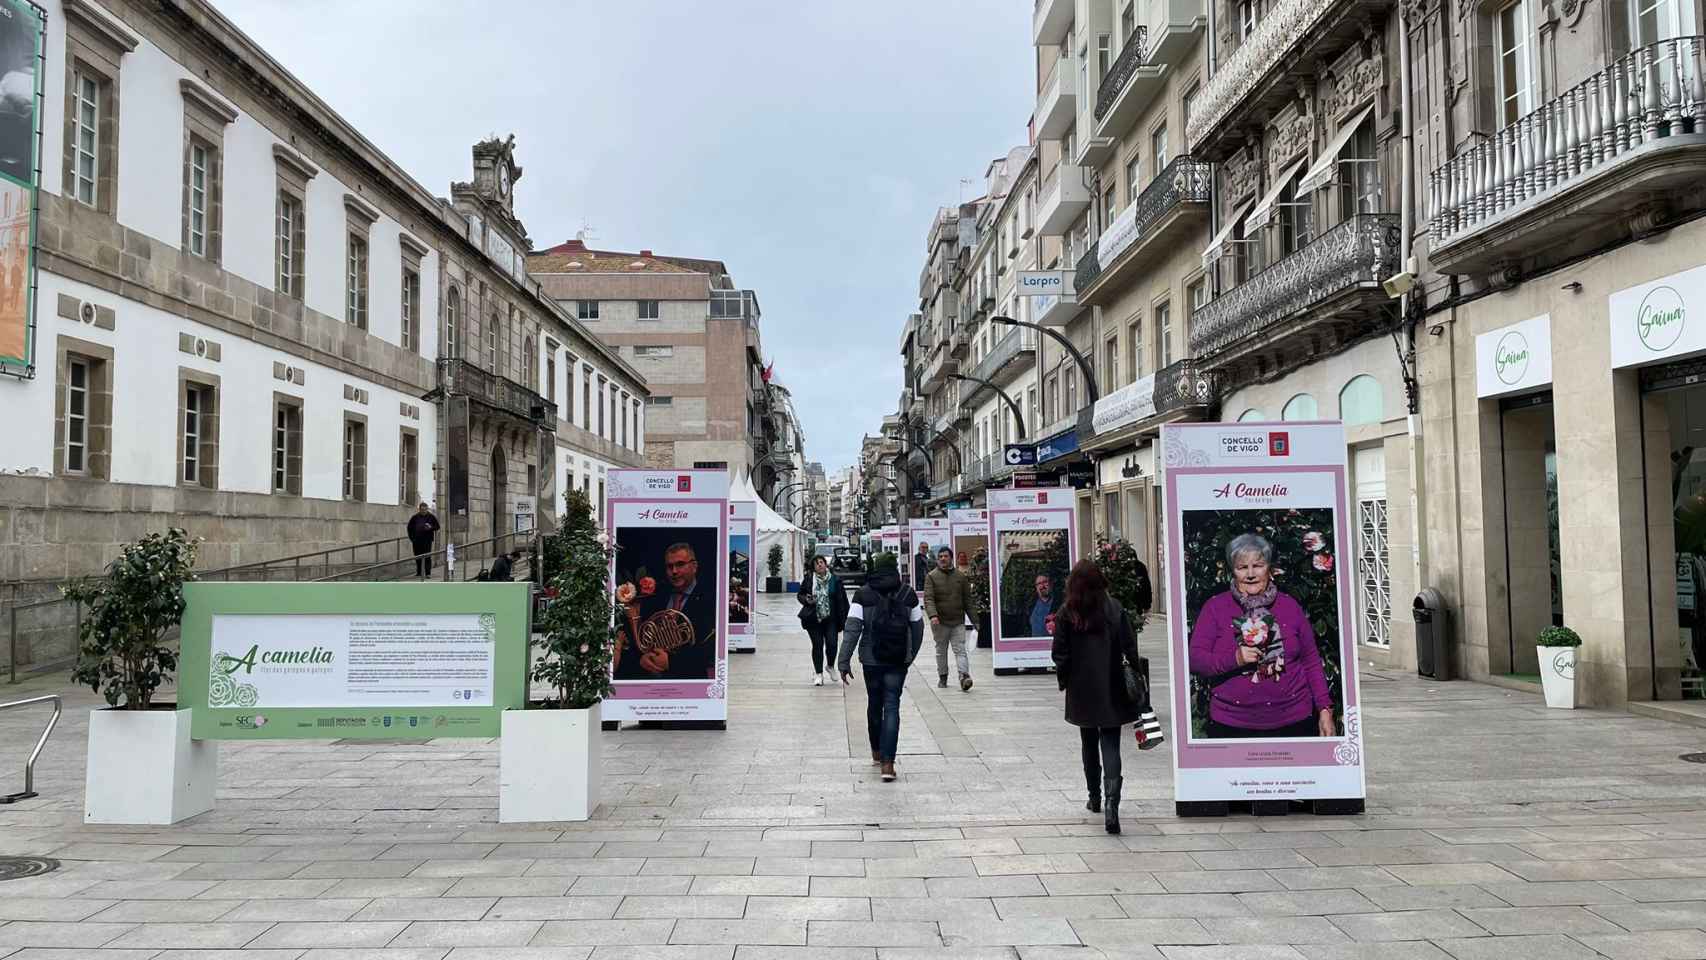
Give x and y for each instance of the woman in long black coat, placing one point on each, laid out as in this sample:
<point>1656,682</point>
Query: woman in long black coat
<point>1092,634</point>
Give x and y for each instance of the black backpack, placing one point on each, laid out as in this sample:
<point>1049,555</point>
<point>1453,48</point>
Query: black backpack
<point>889,621</point>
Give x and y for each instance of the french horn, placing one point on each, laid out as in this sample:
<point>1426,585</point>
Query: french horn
<point>666,630</point>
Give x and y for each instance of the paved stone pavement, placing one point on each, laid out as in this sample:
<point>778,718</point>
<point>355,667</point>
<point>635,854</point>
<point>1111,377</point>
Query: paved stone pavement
<point>1495,829</point>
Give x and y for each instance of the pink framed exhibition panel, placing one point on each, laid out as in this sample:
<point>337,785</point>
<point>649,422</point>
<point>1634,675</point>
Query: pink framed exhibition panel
<point>1032,540</point>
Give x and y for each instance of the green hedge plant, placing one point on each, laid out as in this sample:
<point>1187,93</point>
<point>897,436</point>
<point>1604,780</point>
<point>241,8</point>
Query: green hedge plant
<point>578,620</point>
<point>1558,637</point>
<point>122,653</point>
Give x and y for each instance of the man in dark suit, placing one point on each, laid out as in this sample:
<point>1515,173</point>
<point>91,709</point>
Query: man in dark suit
<point>696,599</point>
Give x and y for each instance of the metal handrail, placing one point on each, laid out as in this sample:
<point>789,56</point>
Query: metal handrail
<point>440,554</point>
<point>296,561</point>
<point>30,764</point>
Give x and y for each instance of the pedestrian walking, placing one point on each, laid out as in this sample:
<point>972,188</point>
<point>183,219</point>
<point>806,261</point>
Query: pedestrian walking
<point>947,601</point>
<point>885,624</point>
<point>1092,635</point>
<point>823,612</point>
<point>422,527</point>
<point>921,565</point>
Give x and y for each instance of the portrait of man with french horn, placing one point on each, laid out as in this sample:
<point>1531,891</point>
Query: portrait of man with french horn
<point>668,633</point>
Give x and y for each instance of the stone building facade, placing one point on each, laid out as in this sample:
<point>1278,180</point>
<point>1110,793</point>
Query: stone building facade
<point>244,317</point>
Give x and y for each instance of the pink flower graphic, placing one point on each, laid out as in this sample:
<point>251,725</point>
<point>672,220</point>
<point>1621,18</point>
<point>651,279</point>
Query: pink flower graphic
<point>1324,562</point>
<point>1314,542</point>
<point>625,593</point>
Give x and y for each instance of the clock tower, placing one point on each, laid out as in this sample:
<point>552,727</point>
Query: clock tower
<point>495,172</point>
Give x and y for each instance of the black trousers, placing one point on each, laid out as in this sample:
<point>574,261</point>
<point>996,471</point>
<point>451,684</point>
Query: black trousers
<point>1101,751</point>
<point>824,637</point>
<point>423,557</point>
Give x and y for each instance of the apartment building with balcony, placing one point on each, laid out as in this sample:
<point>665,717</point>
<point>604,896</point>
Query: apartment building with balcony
<point>1559,155</point>
<point>251,323</point>
<point>1300,116</point>
<point>694,336</point>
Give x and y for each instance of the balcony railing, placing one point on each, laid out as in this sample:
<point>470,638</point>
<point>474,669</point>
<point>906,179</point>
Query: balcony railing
<point>1184,180</point>
<point>458,377</point>
<point>1181,386</point>
<point>1126,64</point>
<point>1361,251</point>
<point>1017,341</point>
<point>1654,93</point>
<point>1089,268</point>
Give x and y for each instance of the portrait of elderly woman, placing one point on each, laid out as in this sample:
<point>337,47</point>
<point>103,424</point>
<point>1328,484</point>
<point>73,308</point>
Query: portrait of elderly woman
<point>1253,647</point>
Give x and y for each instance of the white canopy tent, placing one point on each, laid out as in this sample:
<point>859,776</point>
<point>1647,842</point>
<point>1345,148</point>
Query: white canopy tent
<point>774,529</point>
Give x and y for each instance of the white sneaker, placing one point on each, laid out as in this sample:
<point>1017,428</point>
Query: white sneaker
<point>828,679</point>
<point>817,679</point>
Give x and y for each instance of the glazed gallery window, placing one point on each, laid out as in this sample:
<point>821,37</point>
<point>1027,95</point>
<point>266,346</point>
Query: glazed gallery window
<point>201,162</point>
<point>1515,62</point>
<point>85,133</point>
<point>453,323</point>
<point>1134,343</point>
<point>411,310</point>
<point>1158,148</point>
<point>287,447</point>
<point>1133,174</point>
<point>355,460</point>
<point>648,309</point>
<point>355,282</point>
<point>1164,335</point>
<point>409,465</point>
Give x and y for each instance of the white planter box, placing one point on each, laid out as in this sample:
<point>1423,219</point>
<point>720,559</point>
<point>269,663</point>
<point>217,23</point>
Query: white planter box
<point>548,765</point>
<point>1558,676</point>
<point>144,768</point>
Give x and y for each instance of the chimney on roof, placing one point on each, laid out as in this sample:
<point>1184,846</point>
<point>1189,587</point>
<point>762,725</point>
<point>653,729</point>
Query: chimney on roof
<point>645,253</point>
<point>569,246</point>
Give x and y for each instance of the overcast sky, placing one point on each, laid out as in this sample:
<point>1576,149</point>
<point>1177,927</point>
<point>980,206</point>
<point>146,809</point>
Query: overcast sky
<point>805,143</point>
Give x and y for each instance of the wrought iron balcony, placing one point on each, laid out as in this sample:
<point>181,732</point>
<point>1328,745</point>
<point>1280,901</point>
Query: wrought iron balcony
<point>1315,285</point>
<point>1183,387</point>
<point>1089,268</point>
<point>1016,343</point>
<point>1563,173</point>
<point>1260,75</point>
<point>1126,64</point>
<point>1178,195</point>
<point>461,378</point>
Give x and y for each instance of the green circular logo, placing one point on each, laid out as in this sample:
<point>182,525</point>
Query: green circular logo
<point>1510,357</point>
<point>1661,318</point>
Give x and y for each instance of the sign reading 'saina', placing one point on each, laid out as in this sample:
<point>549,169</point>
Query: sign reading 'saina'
<point>1661,318</point>
<point>1510,357</point>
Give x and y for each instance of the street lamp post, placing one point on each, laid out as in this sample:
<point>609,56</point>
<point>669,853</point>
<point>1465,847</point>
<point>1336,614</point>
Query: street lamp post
<point>1018,416</point>
<point>1083,364</point>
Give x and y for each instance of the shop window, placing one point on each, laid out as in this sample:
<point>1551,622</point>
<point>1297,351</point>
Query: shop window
<point>1300,407</point>
<point>1361,401</point>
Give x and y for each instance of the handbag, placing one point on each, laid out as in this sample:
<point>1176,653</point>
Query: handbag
<point>1137,683</point>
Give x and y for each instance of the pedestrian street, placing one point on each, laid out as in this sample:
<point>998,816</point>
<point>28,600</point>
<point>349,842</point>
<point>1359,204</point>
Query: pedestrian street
<point>1495,829</point>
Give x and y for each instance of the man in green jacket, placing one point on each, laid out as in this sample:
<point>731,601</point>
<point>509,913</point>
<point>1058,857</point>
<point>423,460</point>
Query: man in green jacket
<point>947,600</point>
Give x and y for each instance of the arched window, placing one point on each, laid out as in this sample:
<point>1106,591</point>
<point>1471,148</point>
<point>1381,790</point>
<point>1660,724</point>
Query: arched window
<point>453,323</point>
<point>1361,401</point>
<point>1252,414</point>
<point>531,359</point>
<point>1300,407</point>
<point>492,343</point>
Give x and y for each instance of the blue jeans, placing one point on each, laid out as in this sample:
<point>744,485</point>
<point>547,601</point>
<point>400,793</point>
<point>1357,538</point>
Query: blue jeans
<point>882,708</point>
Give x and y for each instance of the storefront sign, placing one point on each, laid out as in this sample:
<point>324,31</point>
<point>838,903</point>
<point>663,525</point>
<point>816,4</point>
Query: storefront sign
<point>743,634</point>
<point>1044,283</point>
<point>671,529</point>
<point>352,660</point>
<point>1264,698</point>
<point>524,510</point>
<point>1058,445</point>
<point>1080,474</point>
<point>1035,538</point>
<point>1125,406</point>
<point>1126,465</point>
<point>1515,358</point>
<point>1020,454</point>
<point>1660,320</point>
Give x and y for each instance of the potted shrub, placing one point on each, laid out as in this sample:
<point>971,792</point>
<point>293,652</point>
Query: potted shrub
<point>1556,647</point>
<point>549,756</point>
<point>979,577</point>
<point>773,563</point>
<point>142,765</point>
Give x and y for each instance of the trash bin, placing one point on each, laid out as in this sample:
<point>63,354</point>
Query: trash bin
<point>1433,635</point>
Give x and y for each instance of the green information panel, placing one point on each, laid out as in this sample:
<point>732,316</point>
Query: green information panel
<point>378,661</point>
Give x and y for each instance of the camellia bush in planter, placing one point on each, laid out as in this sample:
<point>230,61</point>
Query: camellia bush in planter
<point>979,577</point>
<point>1556,647</point>
<point>549,755</point>
<point>142,765</point>
<point>773,563</point>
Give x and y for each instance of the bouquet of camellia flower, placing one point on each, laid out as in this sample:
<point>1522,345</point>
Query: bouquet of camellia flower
<point>1263,633</point>
<point>629,593</point>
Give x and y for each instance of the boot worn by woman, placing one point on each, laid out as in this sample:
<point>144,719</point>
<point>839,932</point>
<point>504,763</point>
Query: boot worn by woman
<point>1095,792</point>
<point>1111,807</point>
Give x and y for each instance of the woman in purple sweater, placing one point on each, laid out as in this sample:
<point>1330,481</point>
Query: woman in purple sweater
<point>1254,648</point>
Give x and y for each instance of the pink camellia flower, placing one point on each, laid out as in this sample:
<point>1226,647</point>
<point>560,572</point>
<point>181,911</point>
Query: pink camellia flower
<point>625,593</point>
<point>1323,562</point>
<point>1253,632</point>
<point>1313,541</point>
<point>584,648</point>
<point>648,586</point>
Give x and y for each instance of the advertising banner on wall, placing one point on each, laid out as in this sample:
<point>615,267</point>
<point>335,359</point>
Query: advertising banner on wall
<point>22,32</point>
<point>1034,539</point>
<point>932,534</point>
<point>743,633</point>
<point>352,660</point>
<point>671,530</point>
<point>1264,697</point>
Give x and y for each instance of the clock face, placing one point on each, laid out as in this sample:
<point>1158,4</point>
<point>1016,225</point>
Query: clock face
<point>503,182</point>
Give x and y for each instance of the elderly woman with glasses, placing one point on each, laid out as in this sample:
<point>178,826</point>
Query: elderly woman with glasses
<point>1254,648</point>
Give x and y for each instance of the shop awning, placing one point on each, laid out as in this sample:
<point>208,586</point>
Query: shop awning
<point>1264,209</point>
<point>1212,252</point>
<point>1320,173</point>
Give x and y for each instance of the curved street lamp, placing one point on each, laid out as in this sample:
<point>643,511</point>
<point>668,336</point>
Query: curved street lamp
<point>1018,416</point>
<point>1083,364</point>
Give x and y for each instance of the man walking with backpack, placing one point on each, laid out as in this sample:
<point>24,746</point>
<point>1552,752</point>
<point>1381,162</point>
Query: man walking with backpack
<point>885,623</point>
<point>947,600</point>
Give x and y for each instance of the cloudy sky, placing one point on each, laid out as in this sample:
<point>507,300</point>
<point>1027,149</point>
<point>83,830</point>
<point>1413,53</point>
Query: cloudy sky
<point>806,143</point>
